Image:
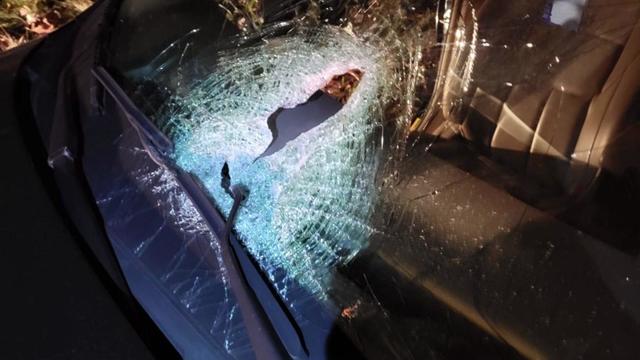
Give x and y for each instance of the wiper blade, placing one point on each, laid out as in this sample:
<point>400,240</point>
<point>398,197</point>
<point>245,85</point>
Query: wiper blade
<point>271,328</point>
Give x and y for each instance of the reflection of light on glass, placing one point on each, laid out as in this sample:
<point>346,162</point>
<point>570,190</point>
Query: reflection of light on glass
<point>470,63</point>
<point>567,13</point>
<point>446,19</point>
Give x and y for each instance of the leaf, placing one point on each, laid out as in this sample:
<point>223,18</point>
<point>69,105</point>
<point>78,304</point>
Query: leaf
<point>41,26</point>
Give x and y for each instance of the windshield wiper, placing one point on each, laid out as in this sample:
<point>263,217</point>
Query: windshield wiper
<point>276,310</point>
<point>264,313</point>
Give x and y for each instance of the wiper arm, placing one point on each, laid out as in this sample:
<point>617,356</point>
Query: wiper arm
<point>267,341</point>
<point>281,319</point>
<point>239,194</point>
<point>270,337</point>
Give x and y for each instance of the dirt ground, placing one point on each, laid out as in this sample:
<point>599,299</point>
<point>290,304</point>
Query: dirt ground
<point>24,20</point>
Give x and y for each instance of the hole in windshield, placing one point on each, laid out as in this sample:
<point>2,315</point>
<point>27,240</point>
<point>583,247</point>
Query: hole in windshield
<point>287,124</point>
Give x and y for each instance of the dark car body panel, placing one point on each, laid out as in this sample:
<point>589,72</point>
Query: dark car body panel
<point>59,300</point>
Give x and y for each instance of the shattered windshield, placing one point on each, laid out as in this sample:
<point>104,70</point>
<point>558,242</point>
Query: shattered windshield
<point>427,179</point>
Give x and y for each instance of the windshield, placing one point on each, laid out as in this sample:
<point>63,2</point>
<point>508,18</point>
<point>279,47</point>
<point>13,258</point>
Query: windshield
<point>423,178</point>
